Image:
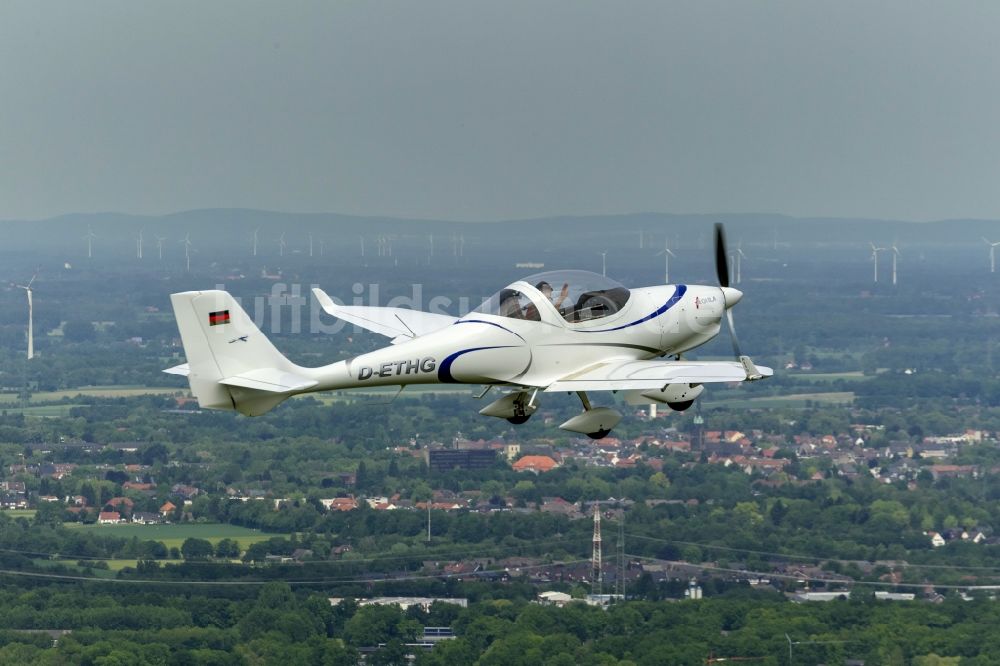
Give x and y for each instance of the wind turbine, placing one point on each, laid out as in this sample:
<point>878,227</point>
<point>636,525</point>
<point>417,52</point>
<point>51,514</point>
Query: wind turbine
<point>737,263</point>
<point>604,263</point>
<point>138,246</point>
<point>90,242</point>
<point>667,253</point>
<point>875,251</point>
<point>895,255</point>
<point>310,245</point>
<point>281,244</point>
<point>993,258</point>
<point>187,250</point>
<point>255,232</point>
<point>31,337</point>
<point>159,246</point>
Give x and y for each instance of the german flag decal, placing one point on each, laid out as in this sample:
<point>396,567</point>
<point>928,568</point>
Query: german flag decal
<point>220,317</point>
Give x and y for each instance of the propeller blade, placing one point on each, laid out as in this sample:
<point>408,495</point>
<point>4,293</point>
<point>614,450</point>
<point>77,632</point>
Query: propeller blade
<point>721,260</point>
<point>732,334</point>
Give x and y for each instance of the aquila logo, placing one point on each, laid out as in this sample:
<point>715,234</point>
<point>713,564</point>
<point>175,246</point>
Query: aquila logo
<point>396,368</point>
<point>700,301</point>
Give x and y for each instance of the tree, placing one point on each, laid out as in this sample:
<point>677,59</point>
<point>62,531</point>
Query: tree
<point>227,548</point>
<point>361,476</point>
<point>89,494</point>
<point>116,476</point>
<point>196,549</point>
<point>155,453</point>
<point>79,331</point>
<point>375,624</point>
<point>49,513</point>
<point>778,513</point>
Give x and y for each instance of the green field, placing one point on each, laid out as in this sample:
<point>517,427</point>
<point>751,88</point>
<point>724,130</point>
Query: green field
<point>44,411</point>
<point>823,377</point>
<point>174,535</point>
<point>20,513</point>
<point>794,400</point>
<point>93,391</point>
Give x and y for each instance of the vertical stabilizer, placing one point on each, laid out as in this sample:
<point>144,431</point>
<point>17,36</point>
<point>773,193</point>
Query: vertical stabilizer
<point>231,365</point>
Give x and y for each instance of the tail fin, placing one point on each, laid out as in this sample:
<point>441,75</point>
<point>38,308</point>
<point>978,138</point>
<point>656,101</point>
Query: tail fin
<point>231,365</point>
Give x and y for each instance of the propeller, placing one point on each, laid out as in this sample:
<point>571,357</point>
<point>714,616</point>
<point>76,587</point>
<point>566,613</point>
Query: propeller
<point>731,296</point>
<point>721,258</point>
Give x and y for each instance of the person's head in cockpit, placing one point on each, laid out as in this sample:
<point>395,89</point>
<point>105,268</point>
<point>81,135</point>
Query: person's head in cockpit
<point>546,290</point>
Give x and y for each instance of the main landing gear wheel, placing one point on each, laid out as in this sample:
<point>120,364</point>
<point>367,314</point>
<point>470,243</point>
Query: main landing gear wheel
<point>600,434</point>
<point>518,420</point>
<point>680,406</point>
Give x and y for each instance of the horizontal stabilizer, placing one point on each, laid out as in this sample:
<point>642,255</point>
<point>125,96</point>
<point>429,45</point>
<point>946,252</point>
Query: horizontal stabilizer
<point>654,374</point>
<point>183,370</point>
<point>400,324</point>
<point>271,380</point>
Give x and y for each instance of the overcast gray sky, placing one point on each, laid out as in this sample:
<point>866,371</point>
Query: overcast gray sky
<point>491,110</point>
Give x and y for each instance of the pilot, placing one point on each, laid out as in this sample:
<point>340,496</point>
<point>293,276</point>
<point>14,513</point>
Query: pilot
<point>531,312</point>
<point>546,289</point>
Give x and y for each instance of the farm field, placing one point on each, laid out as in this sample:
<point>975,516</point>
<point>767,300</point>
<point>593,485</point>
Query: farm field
<point>20,513</point>
<point>92,391</point>
<point>793,400</point>
<point>174,535</point>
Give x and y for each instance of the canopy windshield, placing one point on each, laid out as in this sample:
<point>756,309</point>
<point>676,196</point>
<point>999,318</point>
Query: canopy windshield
<point>577,295</point>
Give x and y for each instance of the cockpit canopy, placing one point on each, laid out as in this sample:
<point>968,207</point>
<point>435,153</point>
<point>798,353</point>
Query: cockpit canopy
<point>578,296</point>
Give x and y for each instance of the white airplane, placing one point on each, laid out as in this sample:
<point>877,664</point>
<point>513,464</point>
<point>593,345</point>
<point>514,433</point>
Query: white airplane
<point>570,331</point>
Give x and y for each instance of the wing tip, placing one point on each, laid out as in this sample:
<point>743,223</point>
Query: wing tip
<point>325,301</point>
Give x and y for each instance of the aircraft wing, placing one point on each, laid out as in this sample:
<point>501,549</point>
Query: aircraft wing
<point>400,324</point>
<point>653,374</point>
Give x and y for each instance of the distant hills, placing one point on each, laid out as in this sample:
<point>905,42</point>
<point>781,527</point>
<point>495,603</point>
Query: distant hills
<point>234,226</point>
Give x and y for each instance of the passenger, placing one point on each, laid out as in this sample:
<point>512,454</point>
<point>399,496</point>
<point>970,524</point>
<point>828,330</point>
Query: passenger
<point>510,305</point>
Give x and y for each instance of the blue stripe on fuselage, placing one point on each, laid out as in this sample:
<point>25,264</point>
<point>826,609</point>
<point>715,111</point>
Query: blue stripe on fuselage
<point>488,323</point>
<point>671,302</point>
<point>444,370</point>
